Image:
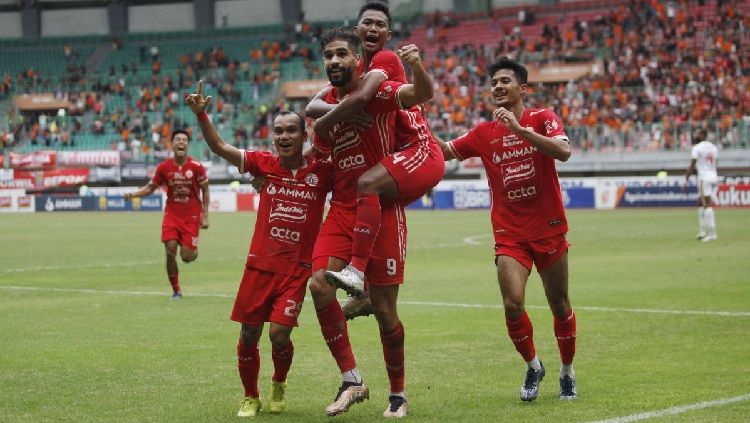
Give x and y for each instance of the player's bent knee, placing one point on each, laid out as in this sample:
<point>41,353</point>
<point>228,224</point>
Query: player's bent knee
<point>279,338</point>
<point>319,287</point>
<point>513,309</point>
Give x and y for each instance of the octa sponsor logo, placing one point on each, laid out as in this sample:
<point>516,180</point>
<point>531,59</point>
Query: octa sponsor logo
<point>521,193</point>
<point>285,234</point>
<point>352,161</point>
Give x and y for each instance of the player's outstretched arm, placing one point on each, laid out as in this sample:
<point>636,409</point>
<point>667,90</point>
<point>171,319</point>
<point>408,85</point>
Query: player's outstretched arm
<point>447,152</point>
<point>421,90</point>
<point>143,191</point>
<point>198,104</point>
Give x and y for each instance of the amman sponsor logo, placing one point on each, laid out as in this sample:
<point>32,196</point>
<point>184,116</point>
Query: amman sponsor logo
<point>285,234</point>
<point>288,211</point>
<point>521,193</point>
<point>294,193</point>
<point>512,154</point>
<point>350,162</point>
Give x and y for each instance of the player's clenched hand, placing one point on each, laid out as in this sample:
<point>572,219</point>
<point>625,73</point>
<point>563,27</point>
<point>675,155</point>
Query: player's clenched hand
<point>128,196</point>
<point>196,102</point>
<point>410,55</point>
<point>507,118</point>
<point>204,221</point>
<point>258,182</point>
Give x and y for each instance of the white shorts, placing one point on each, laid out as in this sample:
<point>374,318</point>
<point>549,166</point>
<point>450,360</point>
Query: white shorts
<point>707,187</point>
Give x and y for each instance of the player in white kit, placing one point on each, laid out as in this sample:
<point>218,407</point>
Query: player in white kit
<point>704,155</point>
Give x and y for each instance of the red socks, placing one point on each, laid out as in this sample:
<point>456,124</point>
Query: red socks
<point>366,228</point>
<point>174,280</point>
<point>565,332</point>
<point>282,360</point>
<point>522,334</point>
<point>393,352</point>
<point>333,327</point>
<point>248,363</point>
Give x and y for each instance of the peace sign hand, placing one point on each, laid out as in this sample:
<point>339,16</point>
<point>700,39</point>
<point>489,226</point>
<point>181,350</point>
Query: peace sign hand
<point>197,103</point>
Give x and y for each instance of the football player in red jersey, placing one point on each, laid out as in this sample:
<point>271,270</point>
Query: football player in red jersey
<point>186,211</point>
<point>354,150</point>
<point>279,262</point>
<point>405,174</point>
<point>519,149</point>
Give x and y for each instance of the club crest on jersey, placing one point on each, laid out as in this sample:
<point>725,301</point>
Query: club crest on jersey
<point>550,125</point>
<point>189,174</point>
<point>312,180</point>
<point>271,190</point>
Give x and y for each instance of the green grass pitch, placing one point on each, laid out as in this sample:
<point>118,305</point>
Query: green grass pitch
<point>88,332</point>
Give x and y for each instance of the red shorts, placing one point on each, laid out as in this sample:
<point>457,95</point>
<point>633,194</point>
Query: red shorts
<point>541,252</point>
<point>386,266</point>
<point>416,170</point>
<point>269,297</point>
<point>184,230</point>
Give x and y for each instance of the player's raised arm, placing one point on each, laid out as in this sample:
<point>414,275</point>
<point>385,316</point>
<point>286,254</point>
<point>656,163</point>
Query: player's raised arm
<point>198,104</point>
<point>205,202</point>
<point>421,90</point>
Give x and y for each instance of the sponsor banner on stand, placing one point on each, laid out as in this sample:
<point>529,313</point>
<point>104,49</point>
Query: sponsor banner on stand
<point>118,203</point>
<point>671,196</point>
<point>579,198</point>
<point>733,195</point>
<point>45,179</point>
<point>60,203</point>
<point>89,158</point>
<point>34,160</point>
<point>16,200</point>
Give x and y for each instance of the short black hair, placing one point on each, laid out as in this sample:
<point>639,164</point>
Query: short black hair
<point>375,5</point>
<point>340,34</point>
<point>302,123</point>
<point>519,70</point>
<point>180,131</point>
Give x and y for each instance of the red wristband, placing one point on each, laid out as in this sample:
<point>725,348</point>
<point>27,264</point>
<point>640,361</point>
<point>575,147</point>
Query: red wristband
<point>202,117</point>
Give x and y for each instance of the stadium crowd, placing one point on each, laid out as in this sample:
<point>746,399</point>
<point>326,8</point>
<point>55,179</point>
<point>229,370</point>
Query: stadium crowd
<point>660,70</point>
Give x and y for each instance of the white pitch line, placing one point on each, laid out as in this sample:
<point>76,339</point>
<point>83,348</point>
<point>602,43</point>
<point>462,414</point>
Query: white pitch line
<point>671,411</point>
<point>466,242</point>
<point>403,302</point>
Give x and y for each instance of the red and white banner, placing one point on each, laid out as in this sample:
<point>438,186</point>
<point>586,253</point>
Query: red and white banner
<point>34,160</point>
<point>45,179</point>
<point>733,195</point>
<point>89,158</point>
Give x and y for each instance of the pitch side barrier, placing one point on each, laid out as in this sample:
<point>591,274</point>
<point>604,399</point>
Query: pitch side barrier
<point>598,193</point>
<point>66,203</point>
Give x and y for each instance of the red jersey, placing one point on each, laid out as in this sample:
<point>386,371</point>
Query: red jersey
<point>354,150</point>
<point>386,62</point>
<point>526,198</point>
<point>289,213</point>
<point>411,126</point>
<point>183,186</point>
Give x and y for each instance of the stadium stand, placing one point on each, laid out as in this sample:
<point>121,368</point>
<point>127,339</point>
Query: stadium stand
<point>652,72</point>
